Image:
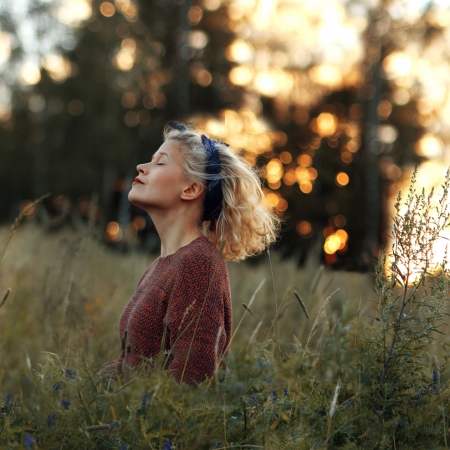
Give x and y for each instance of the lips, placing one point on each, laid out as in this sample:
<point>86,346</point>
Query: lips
<point>137,180</point>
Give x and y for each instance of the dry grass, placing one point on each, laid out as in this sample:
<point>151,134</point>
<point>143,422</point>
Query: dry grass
<point>68,292</point>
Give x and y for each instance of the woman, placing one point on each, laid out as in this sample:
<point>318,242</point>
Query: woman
<point>200,195</point>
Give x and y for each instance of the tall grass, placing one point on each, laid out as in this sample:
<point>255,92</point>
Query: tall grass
<point>329,364</point>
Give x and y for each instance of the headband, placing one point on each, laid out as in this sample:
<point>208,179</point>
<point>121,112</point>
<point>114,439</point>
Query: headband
<point>214,194</point>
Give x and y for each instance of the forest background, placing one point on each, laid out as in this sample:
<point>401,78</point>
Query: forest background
<point>334,100</point>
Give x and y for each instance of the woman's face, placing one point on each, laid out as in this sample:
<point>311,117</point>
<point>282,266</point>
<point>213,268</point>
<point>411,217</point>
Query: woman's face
<point>161,181</point>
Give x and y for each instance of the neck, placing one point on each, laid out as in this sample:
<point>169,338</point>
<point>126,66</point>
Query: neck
<point>175,228</point>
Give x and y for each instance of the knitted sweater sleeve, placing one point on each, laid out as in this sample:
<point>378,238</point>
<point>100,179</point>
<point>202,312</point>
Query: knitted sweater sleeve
<point>196,317</point>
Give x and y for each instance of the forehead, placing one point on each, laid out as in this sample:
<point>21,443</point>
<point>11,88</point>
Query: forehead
<point>170,149</point>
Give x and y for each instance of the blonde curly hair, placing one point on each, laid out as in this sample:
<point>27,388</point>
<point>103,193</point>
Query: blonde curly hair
<point>246,222</point>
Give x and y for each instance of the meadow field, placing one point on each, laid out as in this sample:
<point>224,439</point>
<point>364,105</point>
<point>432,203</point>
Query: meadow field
<point>367,369</point>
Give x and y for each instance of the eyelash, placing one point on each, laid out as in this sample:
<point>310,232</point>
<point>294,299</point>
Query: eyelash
<point>159,164</point>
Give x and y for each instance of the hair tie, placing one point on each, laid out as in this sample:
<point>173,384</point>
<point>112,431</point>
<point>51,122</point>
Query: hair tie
<point>214,194</point>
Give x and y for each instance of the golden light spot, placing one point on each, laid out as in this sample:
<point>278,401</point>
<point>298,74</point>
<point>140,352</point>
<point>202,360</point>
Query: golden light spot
<point>346,157</point>
<point>272,199</point>
<point>30,74</point>
<point>282,204</point>
<point>342,179</point>
<point>58,68</point>
<point>132,118</point>
<point>304,160</point>
<point>289,177</point>
<point>302,174</point>
<point>275,185</point>
<point>429,146</point>
<point>266,84</point>
<point>112,228</point>
<point>195,14</point>
<point>306,187</point>
<point>107,9</point>
<point>285,157</point>
<point>113,232</point>
<point>139,222</point>
<point>5,46</point>
<point>198,39</point>
<point>239,51</point>
<point>327,75</point>
<point>397,64</point>
<point>241,75</point>
<point>303,228</point>
<point>332,244</point>
<point>327,124</point>
<point>343,235</point>
<point>384,109</point>
<point>203,78</point>
<point>129,100</point>
<point>312,173</point>
<point>274,170</point>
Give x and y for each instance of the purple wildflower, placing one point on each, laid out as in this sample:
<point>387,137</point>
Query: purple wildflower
<point>348,403</point>
<point>434,376</point>
<point>7,399</point>
<point>274,398</point>
<point>112,425</point>
<point>285,391</point>
<point>50,419</point>
<point>218,444</point>
<point>144,400</point>
<point>435,389</point>
<point>168,445</point>
<point>294,438</point>
<point>123,447</point>
<point>254,400</point>
<point>28,442</point>
<point>66,403</point>
<point>419,397</point>
<point>71,374</point>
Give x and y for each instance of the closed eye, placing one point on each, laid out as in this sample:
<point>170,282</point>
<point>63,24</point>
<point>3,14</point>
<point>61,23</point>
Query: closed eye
<point>159,164</point>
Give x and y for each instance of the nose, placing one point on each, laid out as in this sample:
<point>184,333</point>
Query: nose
<point>140,168</point>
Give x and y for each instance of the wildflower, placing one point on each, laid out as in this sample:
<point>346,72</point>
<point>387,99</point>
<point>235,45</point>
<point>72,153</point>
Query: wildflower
<point>144,400</point>
<point>112,425</point>
<point>58,385</point>
<point>294,438</point>
<point>434,376</point>
<point>218,444</point>
<point>435,389</point>
<point>28,442</point>
<point>123,447</point>
<point>419,397</point>
<point>348,403</point>
<point>7,399</point>
<point>50,420</point>
<point>168,445</point>
<point>285,391</point>
<point>71,374</point>
<point>254,400</point>
<point>260,363</point>
<point>66,403</point>
<point>274,398</point>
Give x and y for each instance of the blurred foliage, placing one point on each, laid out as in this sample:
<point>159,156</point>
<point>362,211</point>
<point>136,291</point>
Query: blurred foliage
<point>335,107</point>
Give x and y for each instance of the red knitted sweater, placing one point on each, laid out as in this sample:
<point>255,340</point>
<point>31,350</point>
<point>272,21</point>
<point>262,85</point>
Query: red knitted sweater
<point>173,294</point>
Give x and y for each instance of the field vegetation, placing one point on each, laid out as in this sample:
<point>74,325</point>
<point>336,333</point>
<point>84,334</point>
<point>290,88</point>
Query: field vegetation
<point>319,359</point>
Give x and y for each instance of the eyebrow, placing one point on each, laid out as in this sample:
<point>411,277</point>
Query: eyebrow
<point>161,153</point>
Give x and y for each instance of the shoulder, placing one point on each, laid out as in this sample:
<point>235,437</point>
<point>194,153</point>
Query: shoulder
<point>202,251</point>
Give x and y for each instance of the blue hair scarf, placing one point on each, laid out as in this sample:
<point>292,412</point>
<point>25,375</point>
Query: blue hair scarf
<point>214,193</point>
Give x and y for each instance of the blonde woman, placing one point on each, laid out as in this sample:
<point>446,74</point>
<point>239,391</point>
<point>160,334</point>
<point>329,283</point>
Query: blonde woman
<point>199,194</point>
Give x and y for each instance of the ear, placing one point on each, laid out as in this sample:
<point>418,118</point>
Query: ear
<point>192,190</point>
